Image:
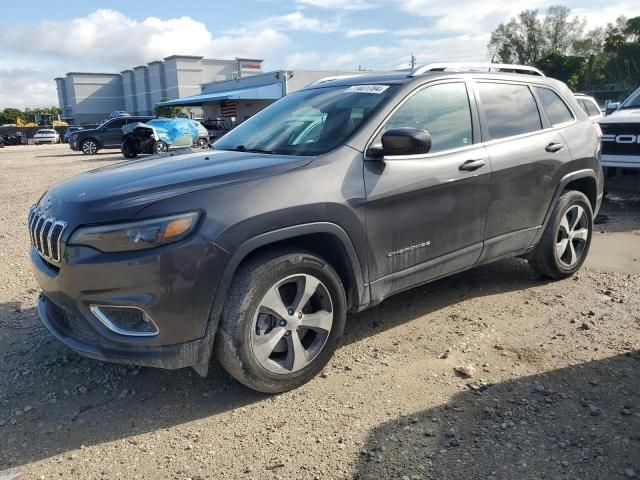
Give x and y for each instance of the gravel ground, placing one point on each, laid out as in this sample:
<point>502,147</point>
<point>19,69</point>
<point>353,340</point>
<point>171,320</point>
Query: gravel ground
<point>554,393</point>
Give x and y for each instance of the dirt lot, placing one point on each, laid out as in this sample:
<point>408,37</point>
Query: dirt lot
<point>555,395</point>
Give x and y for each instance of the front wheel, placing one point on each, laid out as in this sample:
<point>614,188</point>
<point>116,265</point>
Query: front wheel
<point>282,321</point>
<point>128,149</point>
<point>89,147</point>
<point>566,240</point>
<point>160,147</point>
<point>202,142</point>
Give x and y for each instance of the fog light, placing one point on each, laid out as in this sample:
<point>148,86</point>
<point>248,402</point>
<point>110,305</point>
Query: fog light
<point>131,321</point>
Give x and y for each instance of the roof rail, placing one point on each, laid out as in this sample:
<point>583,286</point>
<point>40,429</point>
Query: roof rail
<point>333,77</point>
<point>476,67</point>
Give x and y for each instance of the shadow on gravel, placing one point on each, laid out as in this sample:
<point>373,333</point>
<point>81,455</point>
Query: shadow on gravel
<point>580,422</point>
<point>496,278</point>
<point>621,211</point>
<point>54,400</point>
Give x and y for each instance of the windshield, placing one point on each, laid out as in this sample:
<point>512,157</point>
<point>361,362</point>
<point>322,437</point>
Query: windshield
<point>633,101</point>
<point>308,122</point>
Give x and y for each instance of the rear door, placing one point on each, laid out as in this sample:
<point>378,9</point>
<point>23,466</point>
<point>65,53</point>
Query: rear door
<point>526,151</point>
<point>426,213</point>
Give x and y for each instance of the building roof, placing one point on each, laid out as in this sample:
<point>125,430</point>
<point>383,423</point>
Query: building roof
<point>193,57</point>
<point>273,91</point>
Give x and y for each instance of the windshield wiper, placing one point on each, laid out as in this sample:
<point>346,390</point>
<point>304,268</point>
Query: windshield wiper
<point>242,148</point>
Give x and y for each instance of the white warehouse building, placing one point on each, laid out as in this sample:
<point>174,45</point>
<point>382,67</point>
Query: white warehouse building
<point>89,97</point>
<point>240,98</point>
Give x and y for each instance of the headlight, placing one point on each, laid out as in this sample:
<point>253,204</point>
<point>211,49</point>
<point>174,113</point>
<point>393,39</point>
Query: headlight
<point>124,237</point>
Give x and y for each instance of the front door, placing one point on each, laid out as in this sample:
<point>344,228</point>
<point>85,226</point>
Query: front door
<point>112,135</point>
<point>426,213</point>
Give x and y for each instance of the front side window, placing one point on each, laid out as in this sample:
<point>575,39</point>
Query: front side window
<point>508,109</point>
<point>442,110</point>
<point>556,109</point>
<point>118,123</point>
<point>633,101</point>
<point>308,122</point>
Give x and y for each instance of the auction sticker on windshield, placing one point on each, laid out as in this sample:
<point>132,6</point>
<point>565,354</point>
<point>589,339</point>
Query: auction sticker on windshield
<point>376,89</point>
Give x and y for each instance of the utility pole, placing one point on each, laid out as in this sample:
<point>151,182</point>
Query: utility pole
<point>413,61</point>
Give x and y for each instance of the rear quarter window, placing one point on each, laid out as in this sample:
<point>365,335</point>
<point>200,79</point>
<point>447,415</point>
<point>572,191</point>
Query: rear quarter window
<point>509,109</point>
<point>555,107</point>
<point>592,109</point>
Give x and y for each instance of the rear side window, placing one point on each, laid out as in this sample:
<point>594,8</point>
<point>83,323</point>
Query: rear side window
<point>592,109</point>
<point>118,123</point>
<point>443,110</point>
<point>508,109</point>
<point>556,109</point>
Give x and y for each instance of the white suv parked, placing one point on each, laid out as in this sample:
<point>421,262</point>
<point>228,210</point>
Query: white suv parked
<point>46,135</point>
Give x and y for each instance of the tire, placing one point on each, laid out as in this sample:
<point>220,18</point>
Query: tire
<point>567,237</point>
<point>128,149</point>
<point>160,147</point>
<point>89,147</point>
<point>256,346</point>
<point>202,142</point>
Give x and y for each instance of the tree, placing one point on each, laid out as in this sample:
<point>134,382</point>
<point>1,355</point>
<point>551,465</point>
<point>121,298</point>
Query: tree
<point>520,40</point>
<point>559,31</point>
<point>632,29</point>
<point>10,115</point>
<point>567,68</point>
<point>167,111</point>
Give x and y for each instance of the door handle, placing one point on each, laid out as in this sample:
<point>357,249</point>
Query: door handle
<point>471,165</point>
<point>554,147</point>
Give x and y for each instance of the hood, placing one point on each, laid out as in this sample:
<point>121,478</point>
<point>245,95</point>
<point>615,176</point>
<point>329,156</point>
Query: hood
<point>628,115</point>
<point>119,191</point>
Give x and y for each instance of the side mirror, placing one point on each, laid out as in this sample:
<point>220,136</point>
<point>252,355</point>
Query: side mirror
<point>611,107</point>
<point>402,141</point>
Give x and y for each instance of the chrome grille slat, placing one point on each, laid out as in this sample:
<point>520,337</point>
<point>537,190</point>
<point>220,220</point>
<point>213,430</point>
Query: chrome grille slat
<point>45,234</point>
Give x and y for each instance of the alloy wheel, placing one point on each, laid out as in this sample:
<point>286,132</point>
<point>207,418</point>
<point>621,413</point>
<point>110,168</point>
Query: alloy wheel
<point>89,147</point>
<point>572,236</point>
<point>292,324</point>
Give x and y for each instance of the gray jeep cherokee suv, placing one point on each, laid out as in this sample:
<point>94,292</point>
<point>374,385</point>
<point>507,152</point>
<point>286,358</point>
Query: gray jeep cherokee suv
<point>326,202</point>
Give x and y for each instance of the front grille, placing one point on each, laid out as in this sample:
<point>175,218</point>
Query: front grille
<point>621,138</point>
<point>46,234</point>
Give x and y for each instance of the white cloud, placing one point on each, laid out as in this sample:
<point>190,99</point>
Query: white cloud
<point>460,48</point>
<point>470,16</point>
<point>119,40</point>
<point>25,87</point>
<point>338,4</point>
<point>364,31</point>
<point>107,40</point>
<point>603,14</point>
<point>479,16</point>
<point>291,21</point>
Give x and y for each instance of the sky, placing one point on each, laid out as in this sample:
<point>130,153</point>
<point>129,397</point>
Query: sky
<point>41,41</point>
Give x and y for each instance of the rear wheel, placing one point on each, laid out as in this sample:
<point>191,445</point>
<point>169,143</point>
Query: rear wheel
<point>202,142</point>
<point>89,147</point>
<point>282,322</point>
<point>566,240</point>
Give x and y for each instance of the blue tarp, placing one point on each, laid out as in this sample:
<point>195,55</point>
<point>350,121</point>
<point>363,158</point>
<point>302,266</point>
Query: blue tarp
<point>181,131</point>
